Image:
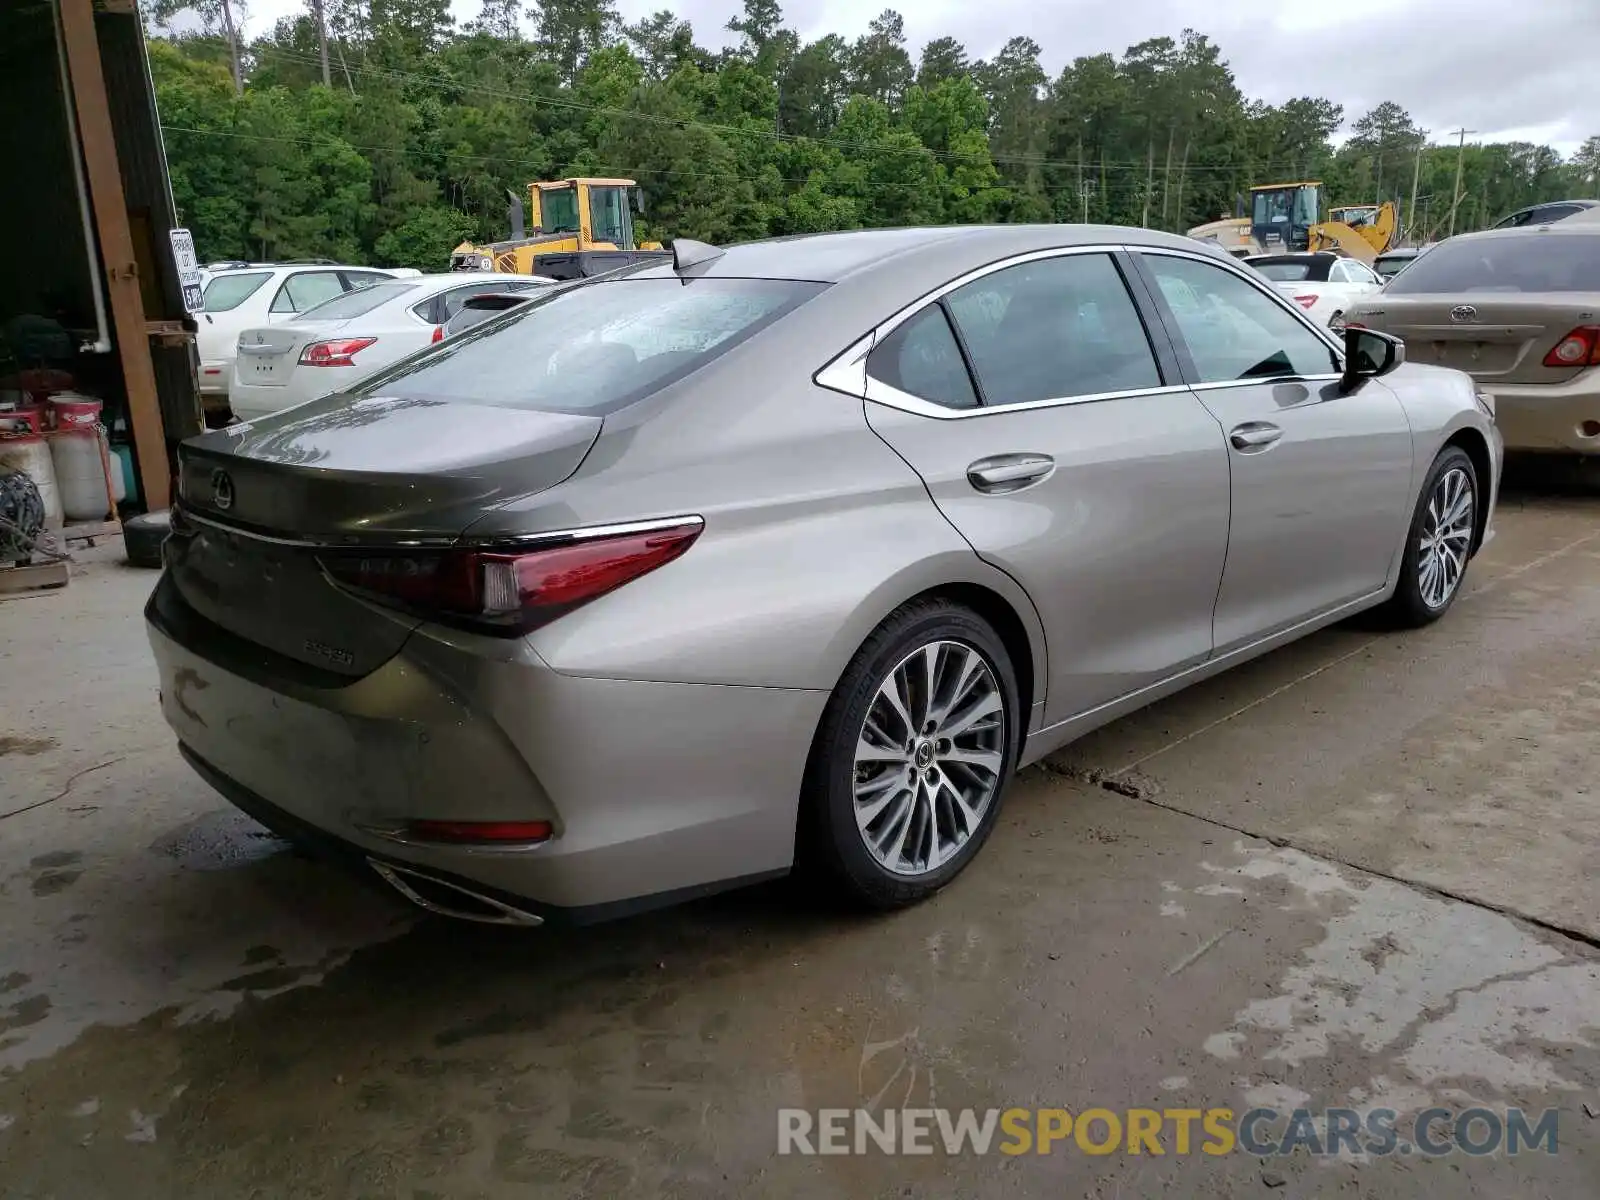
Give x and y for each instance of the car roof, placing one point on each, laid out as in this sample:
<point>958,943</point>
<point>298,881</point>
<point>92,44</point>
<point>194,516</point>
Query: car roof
<point>443,281</point>
<point>1576,226</point>
<point>834,257</point>
<point>1403,252</point>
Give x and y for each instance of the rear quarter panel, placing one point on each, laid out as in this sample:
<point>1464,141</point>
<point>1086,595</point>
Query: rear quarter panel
<point>815,530</point>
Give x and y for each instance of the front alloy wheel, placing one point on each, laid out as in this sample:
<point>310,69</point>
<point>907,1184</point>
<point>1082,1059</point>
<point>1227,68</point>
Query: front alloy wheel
<point>1446,538</point>
<point>1439,542</point>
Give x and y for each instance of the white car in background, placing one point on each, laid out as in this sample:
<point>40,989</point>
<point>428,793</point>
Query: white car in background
<point>238,298</point>
<point>331,346</point>
<point>1321,282</point>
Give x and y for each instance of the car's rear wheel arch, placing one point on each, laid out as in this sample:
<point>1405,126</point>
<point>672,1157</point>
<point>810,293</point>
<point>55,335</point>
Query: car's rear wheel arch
<point>998,612</point>
<point>1477,449</point>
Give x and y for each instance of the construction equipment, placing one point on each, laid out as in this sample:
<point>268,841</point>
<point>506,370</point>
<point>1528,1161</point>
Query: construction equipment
<point>1286,216</point>
<point>578,226</point>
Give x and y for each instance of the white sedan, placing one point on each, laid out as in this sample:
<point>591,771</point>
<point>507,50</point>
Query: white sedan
<point>1321,282</point>
<point>331,346</point>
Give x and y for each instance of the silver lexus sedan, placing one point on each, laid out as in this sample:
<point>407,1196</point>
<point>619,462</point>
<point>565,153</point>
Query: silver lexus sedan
<point>789,553</point>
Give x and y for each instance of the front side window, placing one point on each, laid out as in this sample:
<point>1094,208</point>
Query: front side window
<point>1233,330</point>
<point>226,292</point>
<point>307,289</point>
<point>1052,329</point>
<point>596,346</point>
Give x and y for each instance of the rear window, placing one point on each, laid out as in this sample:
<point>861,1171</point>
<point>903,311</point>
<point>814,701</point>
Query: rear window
<point>594,347</point>
<point>357,303</point>
<point>230,291</point>
<point>1286,271</point>
<point>1532,263</point>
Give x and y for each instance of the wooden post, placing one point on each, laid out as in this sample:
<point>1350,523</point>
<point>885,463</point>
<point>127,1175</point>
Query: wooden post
<point>110,205</point>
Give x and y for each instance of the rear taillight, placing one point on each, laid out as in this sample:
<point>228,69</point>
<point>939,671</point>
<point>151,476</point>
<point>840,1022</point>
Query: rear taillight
<point>1580,348</point>
<point>340,352</point>
<point>438,334</point>
<point>507,591</point>
<point>1305,301</point>
<point>481,833</point>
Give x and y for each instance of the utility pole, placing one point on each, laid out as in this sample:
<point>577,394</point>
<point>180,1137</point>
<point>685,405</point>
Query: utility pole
<point>1455,196</point>
<point>322,39</point>
<point>1085,190</point>
<point>1416,175</point>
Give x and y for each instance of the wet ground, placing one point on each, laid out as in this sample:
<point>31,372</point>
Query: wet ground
<point>1362,872</point>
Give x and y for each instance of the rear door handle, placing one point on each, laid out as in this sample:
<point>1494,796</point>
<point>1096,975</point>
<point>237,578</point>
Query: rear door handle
<point>1009,472</point>
<point>1254,435</point>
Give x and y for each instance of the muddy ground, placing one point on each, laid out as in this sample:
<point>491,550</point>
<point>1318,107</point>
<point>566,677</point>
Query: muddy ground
<point>1364,871</point>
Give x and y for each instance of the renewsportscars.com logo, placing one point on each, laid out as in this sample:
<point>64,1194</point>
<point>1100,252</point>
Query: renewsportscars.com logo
<point>1377,1132</point>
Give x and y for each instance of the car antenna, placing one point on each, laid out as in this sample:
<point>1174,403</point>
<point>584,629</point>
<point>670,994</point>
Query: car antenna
<point>687,253</point>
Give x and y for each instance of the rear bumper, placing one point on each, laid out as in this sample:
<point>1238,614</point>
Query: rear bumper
<point>657,791</point>
<point>1549,417</point>
<point>214,376</point>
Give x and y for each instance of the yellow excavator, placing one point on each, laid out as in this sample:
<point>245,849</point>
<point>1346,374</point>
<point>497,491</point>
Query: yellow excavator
<point>571,228</point>
<point>1287,216</point>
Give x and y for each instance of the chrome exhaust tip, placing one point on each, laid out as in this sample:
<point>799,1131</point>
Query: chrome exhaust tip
<point>450,899</point>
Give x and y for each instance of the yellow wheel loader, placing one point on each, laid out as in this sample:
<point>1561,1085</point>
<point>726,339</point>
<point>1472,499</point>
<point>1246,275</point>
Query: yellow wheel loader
<point>571,228</point>
<point>1287,216</point>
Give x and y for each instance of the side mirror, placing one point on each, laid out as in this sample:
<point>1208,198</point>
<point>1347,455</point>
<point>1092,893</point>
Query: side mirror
<point>1368,354</point>
<point>638,200</point>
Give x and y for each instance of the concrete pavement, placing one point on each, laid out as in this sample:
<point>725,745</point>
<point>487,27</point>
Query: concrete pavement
<point>1362,872</point>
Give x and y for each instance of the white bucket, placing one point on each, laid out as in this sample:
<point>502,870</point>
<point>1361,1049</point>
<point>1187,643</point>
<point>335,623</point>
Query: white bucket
<point>31,456</point>
<point>81,474</point>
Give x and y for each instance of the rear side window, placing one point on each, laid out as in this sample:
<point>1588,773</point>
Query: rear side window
<point>1052,329</point>
<point>597,346</point>
<point>1531,262</point>
<point>226,292</point>
<point>357,303</point>
<point>922,359</point>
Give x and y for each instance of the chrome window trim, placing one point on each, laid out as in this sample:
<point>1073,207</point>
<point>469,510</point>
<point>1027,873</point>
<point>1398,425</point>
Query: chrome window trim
<point>847,371</point>
<point>554,537</point>
<point>882,393</point>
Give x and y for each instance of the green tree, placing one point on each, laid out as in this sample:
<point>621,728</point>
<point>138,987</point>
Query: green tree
<point>571,30</point>
<point>878,63</point>
<point>425,238</point>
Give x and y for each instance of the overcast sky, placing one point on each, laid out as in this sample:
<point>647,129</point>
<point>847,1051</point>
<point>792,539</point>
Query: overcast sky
<point>1522,70</point>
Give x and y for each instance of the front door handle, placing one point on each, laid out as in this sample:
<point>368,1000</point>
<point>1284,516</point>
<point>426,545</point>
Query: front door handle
<point>1254,435</point>
<point>1009,472</point>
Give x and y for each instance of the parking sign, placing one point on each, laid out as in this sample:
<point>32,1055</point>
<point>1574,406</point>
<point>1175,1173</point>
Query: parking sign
<point>188,264</point>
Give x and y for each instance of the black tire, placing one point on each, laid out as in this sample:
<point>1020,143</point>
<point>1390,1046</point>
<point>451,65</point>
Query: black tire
<point>1408,608</point>
<point>831,848</point>
<point>142,538</point>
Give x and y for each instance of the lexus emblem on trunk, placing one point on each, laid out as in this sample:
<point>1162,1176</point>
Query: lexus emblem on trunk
<point>1463,312</point>
<point>221,489</point>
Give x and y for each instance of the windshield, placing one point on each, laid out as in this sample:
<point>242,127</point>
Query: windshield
<point>594,347</point>
<point>559,210</point>
<point>357,303</point>
<point>1533,262</point>
<point>1284,272</point>
<point>230,291</point>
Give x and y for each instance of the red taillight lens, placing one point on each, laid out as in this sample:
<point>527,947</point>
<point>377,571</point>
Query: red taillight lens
<point>1305,301</point>
<point>482,833</point>
<point>438,334</point>
<point>510,592</point>
<point>1580,348</point>
<point>338,353</point>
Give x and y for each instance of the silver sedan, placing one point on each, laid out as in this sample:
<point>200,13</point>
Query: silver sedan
<point>786,554</point>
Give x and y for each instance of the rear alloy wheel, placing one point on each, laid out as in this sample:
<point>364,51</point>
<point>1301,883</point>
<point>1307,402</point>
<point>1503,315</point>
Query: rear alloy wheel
<point>1440,541</point>
<point>914,752</point>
